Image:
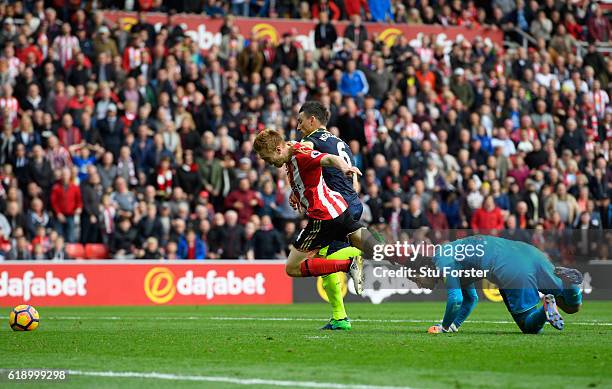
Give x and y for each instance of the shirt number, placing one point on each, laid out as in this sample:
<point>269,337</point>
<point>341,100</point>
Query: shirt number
<point>343,154</point>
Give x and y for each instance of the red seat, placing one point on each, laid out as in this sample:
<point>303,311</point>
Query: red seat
<point>75,250</point>
<point>96,251</point>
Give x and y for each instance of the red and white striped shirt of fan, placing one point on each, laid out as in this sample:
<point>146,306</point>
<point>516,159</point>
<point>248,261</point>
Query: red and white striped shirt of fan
<point>66,48</point>
<point>11,104</point>
<point>306,179</point>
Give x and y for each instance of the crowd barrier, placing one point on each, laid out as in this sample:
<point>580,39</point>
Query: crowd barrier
<point>100,283</point>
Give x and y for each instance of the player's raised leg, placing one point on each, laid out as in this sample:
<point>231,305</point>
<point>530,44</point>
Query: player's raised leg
<point>364,241</point>
<point>298,265</point>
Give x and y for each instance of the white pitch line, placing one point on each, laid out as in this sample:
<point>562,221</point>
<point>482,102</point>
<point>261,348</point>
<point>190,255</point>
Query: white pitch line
<point>228,380</point>
<point>255,318</point>
<point>585,323</point>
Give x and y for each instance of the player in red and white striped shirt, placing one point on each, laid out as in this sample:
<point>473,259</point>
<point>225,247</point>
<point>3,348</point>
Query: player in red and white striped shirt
<point>328,216</point>
<point>306,179</point>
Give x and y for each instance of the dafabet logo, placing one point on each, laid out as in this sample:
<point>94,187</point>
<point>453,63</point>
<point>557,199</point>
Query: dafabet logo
<point>389,35</point>
<point>159,285</point>
<point>263,31</point>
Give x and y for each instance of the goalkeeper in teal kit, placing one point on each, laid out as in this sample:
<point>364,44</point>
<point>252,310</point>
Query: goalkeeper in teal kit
<point>519,270</point>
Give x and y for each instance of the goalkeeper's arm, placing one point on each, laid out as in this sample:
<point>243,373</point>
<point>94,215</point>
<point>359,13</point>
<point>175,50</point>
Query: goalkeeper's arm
<point>459,302</point>
<point>470,299</point>
<point>454,301</point>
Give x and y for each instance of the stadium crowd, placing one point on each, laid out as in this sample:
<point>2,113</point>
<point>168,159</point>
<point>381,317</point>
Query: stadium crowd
<point>140,141</point>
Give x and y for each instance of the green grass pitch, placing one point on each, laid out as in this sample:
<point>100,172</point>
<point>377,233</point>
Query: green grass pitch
<point>388,346</point>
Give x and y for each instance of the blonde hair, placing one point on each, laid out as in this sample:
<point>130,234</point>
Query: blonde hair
<point>267,141</point>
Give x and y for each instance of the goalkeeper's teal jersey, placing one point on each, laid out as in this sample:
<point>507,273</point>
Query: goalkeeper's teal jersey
<point>509,264</point>
<point>519,270</point>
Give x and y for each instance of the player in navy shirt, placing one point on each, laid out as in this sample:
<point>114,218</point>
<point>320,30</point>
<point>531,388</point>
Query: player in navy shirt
<point>312,119</point>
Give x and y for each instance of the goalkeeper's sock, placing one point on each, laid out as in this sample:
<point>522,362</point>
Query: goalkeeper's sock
<point>333,290</point>
<point>534,321</point>
<point>314,267</point>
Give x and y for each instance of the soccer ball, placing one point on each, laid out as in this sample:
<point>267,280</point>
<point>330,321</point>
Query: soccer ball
<point>24,318</point>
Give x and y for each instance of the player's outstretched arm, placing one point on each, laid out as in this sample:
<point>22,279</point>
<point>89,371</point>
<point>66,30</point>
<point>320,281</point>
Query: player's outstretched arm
<point>454,301</point>
<point>470,299</point>
<point>335,161</point>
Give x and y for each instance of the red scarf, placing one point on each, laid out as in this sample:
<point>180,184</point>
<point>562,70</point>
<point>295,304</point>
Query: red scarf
<point>164,180</point>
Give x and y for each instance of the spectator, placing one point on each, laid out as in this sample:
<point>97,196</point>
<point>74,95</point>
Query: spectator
<point>187,176</point>
<point>151,250</point>
<point>599,26</point>
<point>512,232</point>
<point>251,59</point>
<point>396,216</point>
<point>240,7</point>
<point>234,242</point>
<point>102,44</point>
<point>461,88</point>
<point>415,218</point>
<point>66,203</point>
<point>356,8</point>
<point>20,251</point>
<point>107,170</point>
<point>164,179</point>
<point>124,198</point>
<point>14,216</point>
<point>111,129</point>
<point>126,168</point>
<point>562,43</point>
<point>381,10</point>
<point>541,28</point>
<point>325,32</point>
<point>171,251</point>
<point>562,204</point>
<point>66,45</point>
<point>244,200</point>
<point>287,53</point>
<point>267,242</point>
<point>36,217</point>
<point>436,219</point>
<point>355,31</point>
<point>191,246</point>
<point>488,218</point>
<point>91,192</point>
<point>124,240</point>
<point>354,82</point>
<point>58,250</point>
<point>328,6</point>
<point>149,225</point>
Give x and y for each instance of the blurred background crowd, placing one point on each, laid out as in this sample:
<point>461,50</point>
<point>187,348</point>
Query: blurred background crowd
<point>138,141</point>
